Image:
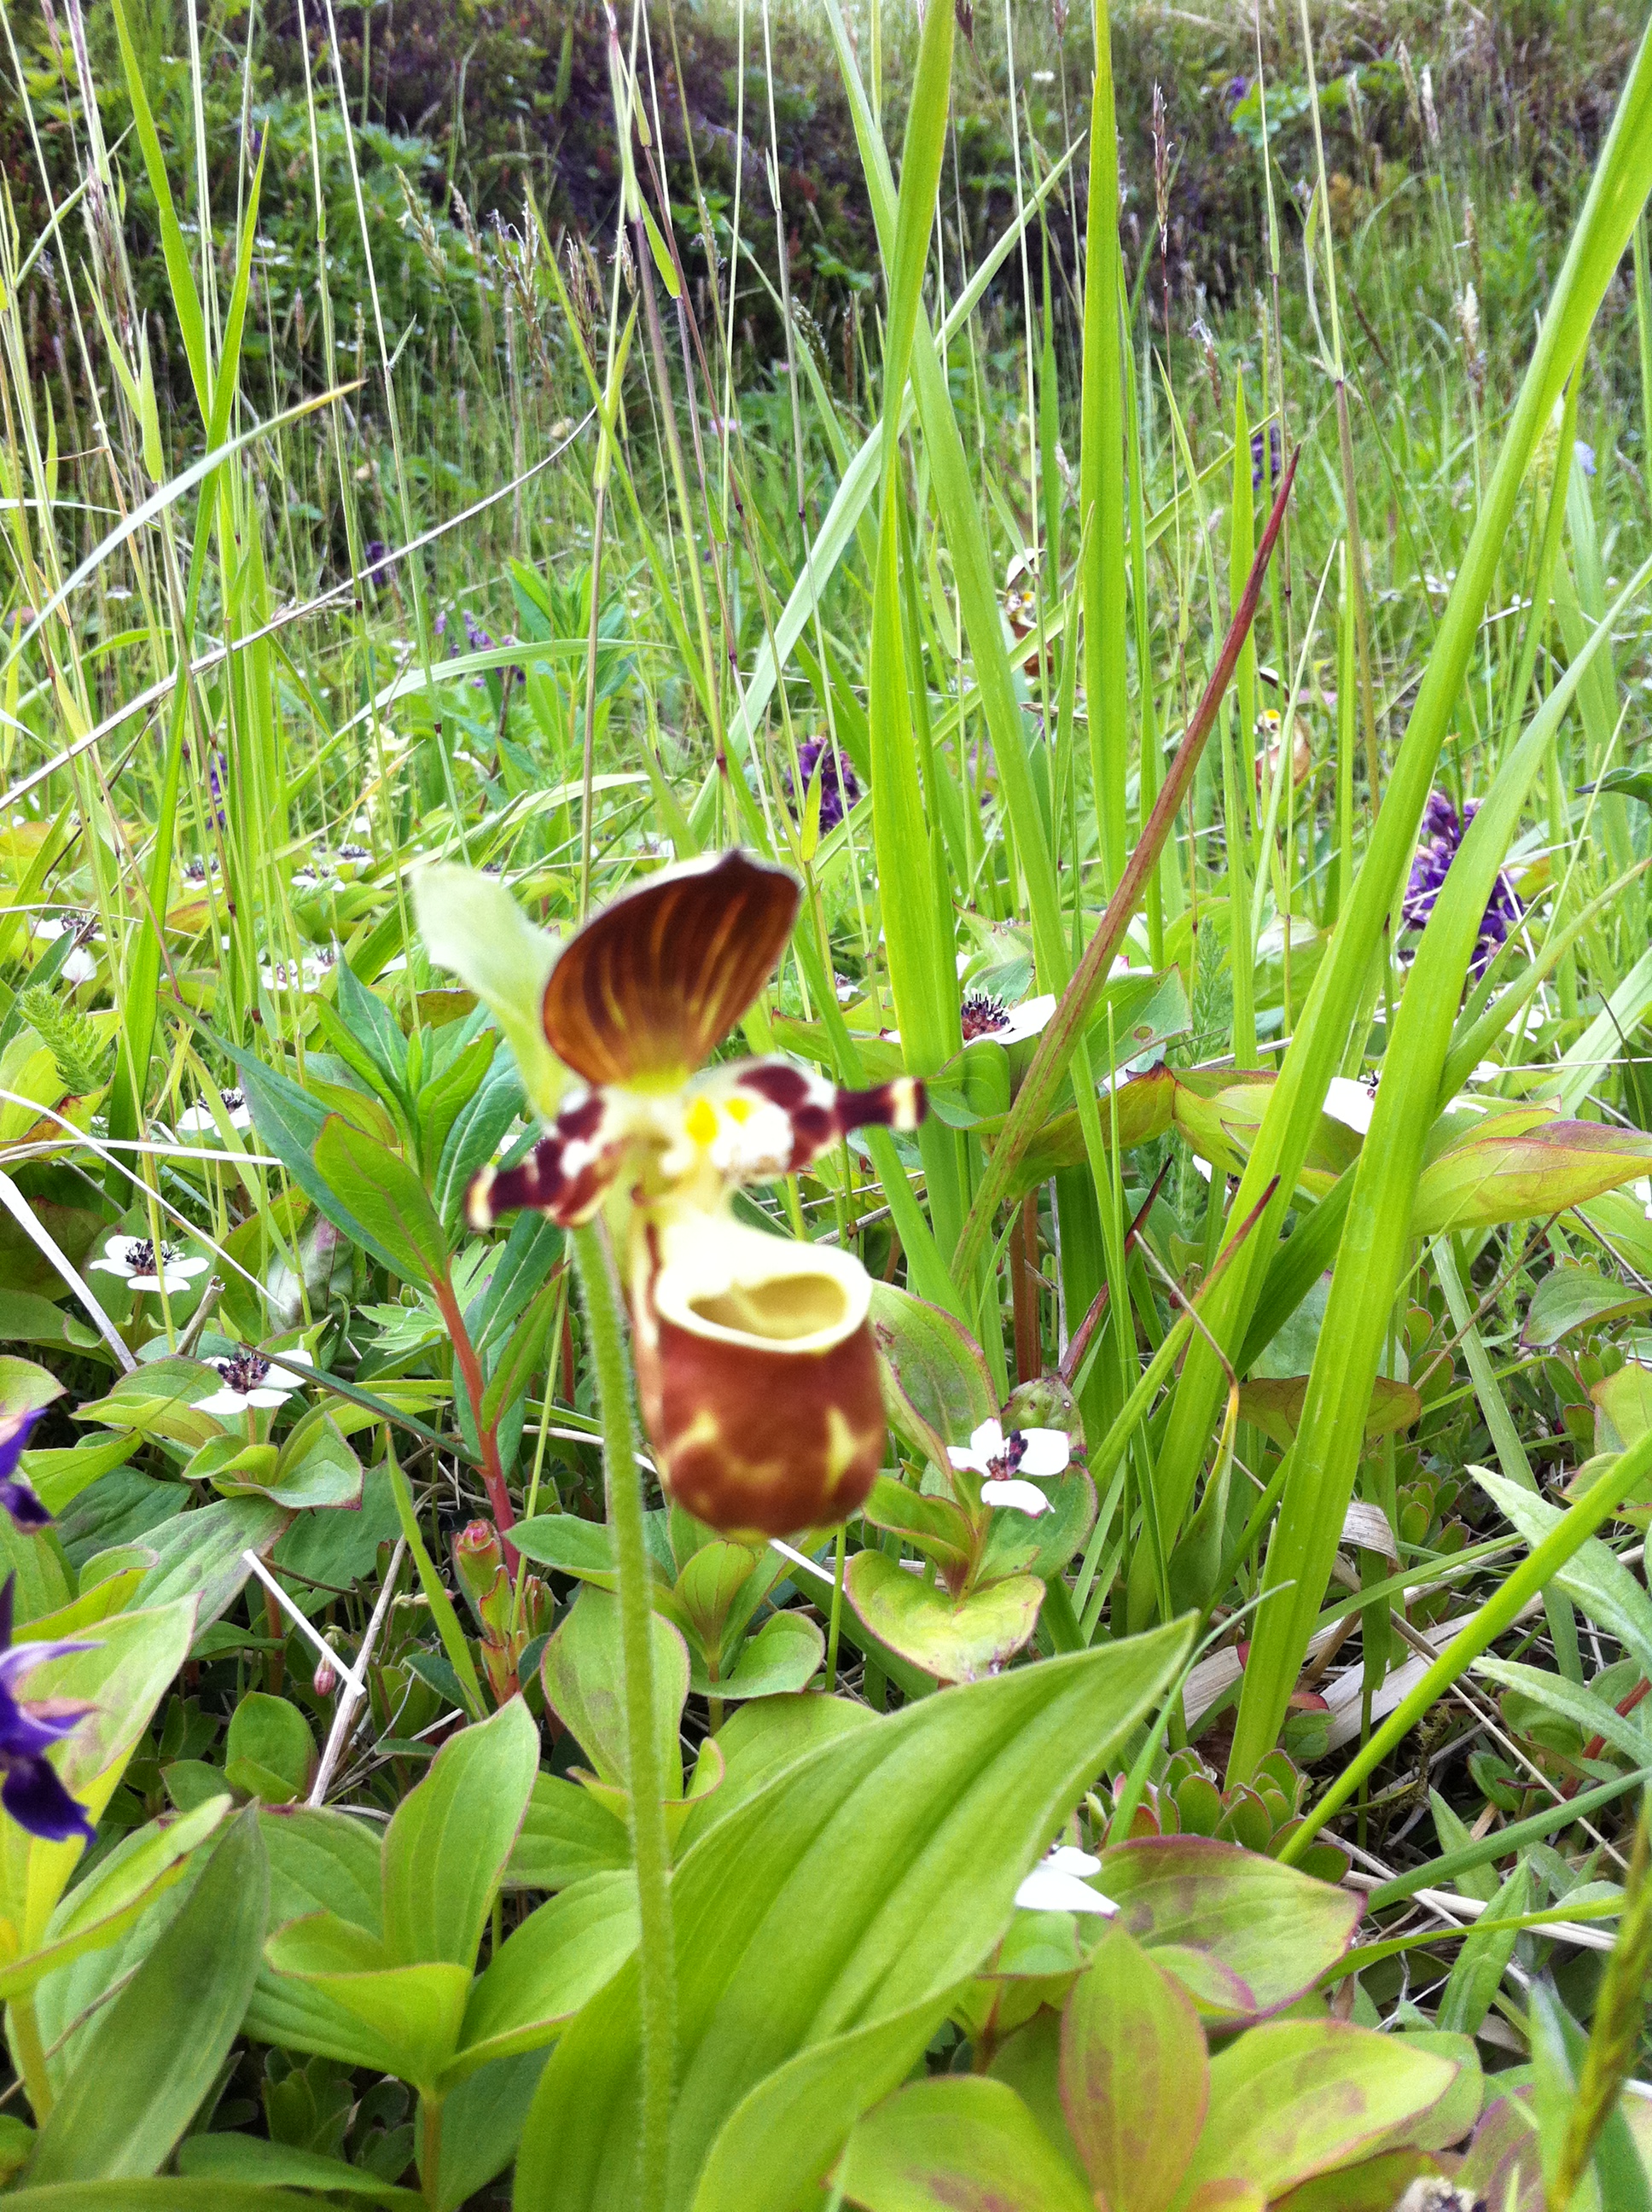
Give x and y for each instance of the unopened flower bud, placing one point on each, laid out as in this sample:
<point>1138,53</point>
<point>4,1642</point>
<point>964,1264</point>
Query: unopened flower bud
<point>326,1679</point>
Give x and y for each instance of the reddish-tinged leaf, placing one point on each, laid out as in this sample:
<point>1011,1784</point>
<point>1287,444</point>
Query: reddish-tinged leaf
<point>1267,1931</point>
<point>1135,2076</point>
<point>1496,1172</point>
<point>962,2145</point>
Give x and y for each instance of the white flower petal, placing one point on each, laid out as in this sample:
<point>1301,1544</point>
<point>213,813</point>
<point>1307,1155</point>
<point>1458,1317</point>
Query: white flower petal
<point>1027,1020</point>
<point>962,1457</point>
<point>1020,1496</point>
<point>1350,1102</point>
<point>153,1283</point>
<point>987,1441</point>
<point>223,1403</point>
<point>1044,1452</point>
<point>117,1248</point>
<point>1048,1889</point>
<point>112,1268</point>
<point>267,1397</point>
<point>195,1121</point>
<point>79,967</point>
<point>279,1379</point>
<point>1067,1858</point>
<point>187,1267</point>
<point>298,1358</point>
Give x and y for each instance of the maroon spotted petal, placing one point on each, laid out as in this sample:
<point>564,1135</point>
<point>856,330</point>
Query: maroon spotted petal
<point>564,1175</point>
<point>651,986</point>
<point>820,1114</point>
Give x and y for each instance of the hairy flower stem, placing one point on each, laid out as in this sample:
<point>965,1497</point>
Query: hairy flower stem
<point>1614,2038</point>
<point>657,1952</point>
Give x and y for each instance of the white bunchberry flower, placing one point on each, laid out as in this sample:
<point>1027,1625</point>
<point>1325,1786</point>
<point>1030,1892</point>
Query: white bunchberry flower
<point>1058,1884</point>
<point>1038,1454</point>
<point>253,1379</point>
<point>149,1266</point>
<point>1350,1102</point>
<point>197,1120</point>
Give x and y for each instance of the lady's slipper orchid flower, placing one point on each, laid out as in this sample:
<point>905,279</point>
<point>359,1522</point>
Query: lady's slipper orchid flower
<point>1007,1462</point>
<point>33,1793</point>
<point>1059,1884</point>
<point>755,1364</point>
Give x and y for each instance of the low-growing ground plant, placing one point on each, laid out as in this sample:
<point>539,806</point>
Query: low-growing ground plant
<point>825,1183</point>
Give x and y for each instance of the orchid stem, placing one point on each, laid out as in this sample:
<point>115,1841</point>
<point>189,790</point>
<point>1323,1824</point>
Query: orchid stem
<point>430,2148</point>
<point>657,1951</point>
<point>837,1612</point>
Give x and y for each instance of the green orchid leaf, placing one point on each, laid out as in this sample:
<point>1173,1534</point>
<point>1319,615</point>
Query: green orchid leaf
<point>154,2051</point>
<point>783,1657</point>
<point>583,1673</point>
<point>552,1965</point>
<point>926,1819</point>
<point>446,1850</point>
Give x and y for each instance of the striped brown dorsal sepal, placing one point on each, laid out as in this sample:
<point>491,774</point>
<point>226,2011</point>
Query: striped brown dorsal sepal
<point>647,991</point>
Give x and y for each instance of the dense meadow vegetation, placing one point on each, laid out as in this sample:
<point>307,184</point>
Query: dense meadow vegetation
<point>825,1107</point>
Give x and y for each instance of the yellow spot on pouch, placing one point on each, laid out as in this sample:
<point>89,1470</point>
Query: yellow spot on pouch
<point>702,1123</point>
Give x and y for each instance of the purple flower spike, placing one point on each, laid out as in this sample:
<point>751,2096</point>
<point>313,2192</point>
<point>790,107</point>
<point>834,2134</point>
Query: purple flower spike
<point>33,1793</point>
<point>1441,838</point>
<point>840,787</point>
<point>15,1496</point>
<point>377,560</point>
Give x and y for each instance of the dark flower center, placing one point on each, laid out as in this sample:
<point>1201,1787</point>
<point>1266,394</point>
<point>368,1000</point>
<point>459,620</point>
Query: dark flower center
<point>245,1370</point>
<point>981,1015</point>
<point>141,1255</point>
<point>234,1100</point>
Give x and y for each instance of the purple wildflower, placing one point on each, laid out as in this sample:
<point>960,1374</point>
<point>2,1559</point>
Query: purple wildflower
<point>15,1496</point>
<point>33,1793</point>
<point>1233,92</point>
<point>840,787</point>
<point>1443,834</point>
<point>1274,468</point>
<point>377,560</point>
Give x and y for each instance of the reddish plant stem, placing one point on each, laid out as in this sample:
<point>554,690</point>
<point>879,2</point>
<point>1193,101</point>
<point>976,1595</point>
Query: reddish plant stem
<point>493,1474</point>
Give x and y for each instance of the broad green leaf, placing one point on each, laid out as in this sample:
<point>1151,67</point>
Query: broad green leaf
<point>1135,2075</point>
<point>25,1387</point>
<point>566,1836</point>
<point>356,2004</point>
<point>156,2050</point>
<point>571,1546</point>
<point>172,2193</point>
<point>201,1555</point>
<point>446,1850</point>
<point>386,1196</point>
<point>272,1737</point>
<point>1269,1930</point>
<point>104,1906</point>
<point>960,2145</point>
<point>255,2161</point>
<point>956,1639</point>
<point>784,1657</point>
<point>759,1740</point>
<point>1275,1403</point>
<point>481,2121</point>
<point>558,1960</point>
<point>1297,2098</point>
<point>584,1680</point>
<point>1571,1298</point>
<point>933,1525</point>
<point>927,1821</point>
